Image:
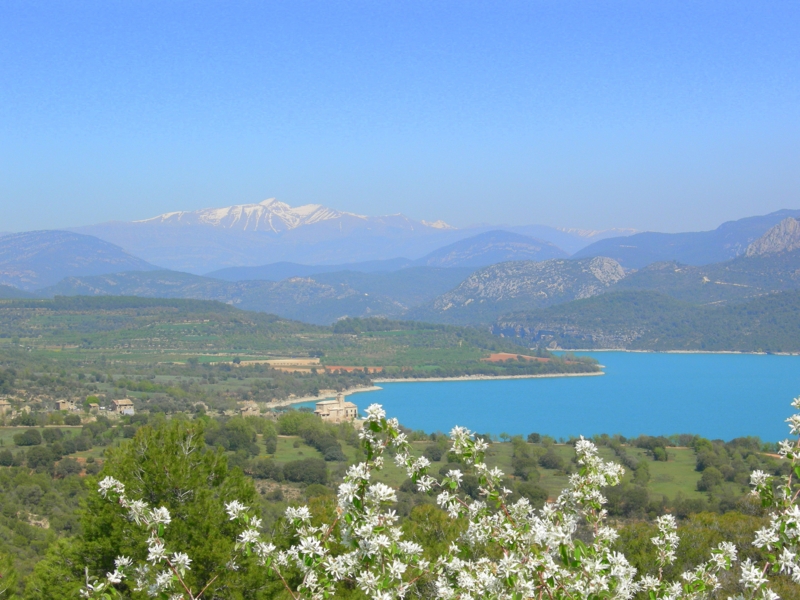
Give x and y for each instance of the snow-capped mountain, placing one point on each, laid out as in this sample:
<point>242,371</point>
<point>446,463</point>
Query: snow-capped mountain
<point>271,231</point>
<point>268,216</point>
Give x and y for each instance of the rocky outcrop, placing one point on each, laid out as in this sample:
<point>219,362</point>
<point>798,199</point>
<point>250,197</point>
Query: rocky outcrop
<point>784,237</point>
<point>537,281</point>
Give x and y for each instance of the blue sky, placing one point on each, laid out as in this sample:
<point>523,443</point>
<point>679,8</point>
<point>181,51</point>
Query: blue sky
<point>654,115</point>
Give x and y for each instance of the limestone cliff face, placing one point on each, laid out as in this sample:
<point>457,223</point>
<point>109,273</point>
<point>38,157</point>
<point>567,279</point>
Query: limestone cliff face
<point>784,237</point>
<point>540,283</point>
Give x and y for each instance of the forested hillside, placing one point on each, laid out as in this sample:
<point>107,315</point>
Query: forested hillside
<point>652,321</point>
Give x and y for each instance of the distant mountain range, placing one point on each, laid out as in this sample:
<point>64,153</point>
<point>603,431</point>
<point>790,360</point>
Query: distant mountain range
<point>36,259</point>
<point>321,300</point>
<point>269,232</point>
<point>695,248</point>
<point>477,251</point>
<point>476,277</point>
<point>8,292</point>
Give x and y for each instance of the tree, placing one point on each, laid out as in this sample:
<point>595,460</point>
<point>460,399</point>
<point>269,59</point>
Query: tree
<point>7,377</point>
<point>168,466</point>
<point>31,437</point>
<point>72,420</point>
<point>8,577</point>
<point>51,435</point>
<point>309,470</point>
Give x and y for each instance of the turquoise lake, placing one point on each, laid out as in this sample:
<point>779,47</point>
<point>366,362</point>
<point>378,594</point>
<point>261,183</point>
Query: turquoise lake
<point>715,395</point>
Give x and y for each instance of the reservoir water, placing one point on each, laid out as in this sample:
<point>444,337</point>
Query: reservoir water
<point>714,395</point>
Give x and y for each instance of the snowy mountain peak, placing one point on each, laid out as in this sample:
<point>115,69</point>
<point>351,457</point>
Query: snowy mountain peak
<point>268,215</point>
<point>438,224</point>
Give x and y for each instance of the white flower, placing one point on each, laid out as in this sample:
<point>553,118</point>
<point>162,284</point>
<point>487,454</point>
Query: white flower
<point>301,512</point>
<point>752,577</point>
<point>375,412</point>
<point>455,475</point>
<point>108,484</point>
<point>181,561</point>
<point>396,569</point>
<point>786,561</point>
<point>122,561</point>
<point>164,580</point>
<point>115,577</point>
<point>248,536</point>
<point>234,509</point>
<point>156,552</point>
<point>758,478</point>
<point>137,511</point>
<point>794,424</point>
<point>766,538</point>
<point>160,516</point>
<point>310,546</point>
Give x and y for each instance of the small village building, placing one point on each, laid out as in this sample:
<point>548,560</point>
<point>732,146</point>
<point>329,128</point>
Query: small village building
<point>122,407</point>
<point>94,407</point>
<point>65,405</point>
<point>249,409</point>
<point>5,407</point>
<point>337,411</point>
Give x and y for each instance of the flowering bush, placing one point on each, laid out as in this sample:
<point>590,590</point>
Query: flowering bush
<point>507,551</point>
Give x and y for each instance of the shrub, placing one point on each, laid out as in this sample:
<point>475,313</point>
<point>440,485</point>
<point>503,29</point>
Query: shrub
<point>51,435</point>
<point>552,460</point>
<point>334,453</point>
<point>68,466</point>
<point>31,437</point>
<point>309,470</point>
<point>6,458</point>
<point>433,452</point>
<point>25,420</point>
<point>265,468</point>
<point>711,478</point>
<point>39,457</point>
<point>72,420</point>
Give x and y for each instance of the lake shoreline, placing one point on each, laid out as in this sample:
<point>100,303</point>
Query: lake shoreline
<point>485,377</point>
<point>744,352</point>
<point>304,399</point>
<point>375,388</point>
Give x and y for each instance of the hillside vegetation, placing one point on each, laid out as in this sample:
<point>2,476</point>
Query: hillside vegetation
<point>146,331</point>
<point>651,321</point>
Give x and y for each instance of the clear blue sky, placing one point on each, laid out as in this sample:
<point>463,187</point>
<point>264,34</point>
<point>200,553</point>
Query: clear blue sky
<point>655,115</point>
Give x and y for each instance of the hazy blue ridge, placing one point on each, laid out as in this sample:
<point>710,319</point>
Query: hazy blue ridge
<point>10,292</point>
<point>37,259</point>
<point>284,270</point>
<point>322,299</point>
<point>693,248</point>
<point>737,280</point>
<point>483,249</point>
<point>492,247</point>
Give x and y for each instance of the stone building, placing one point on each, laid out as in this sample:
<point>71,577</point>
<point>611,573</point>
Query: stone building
<point>65,405</point>
<point>337,411</point>
<point>248,408</point>
<point>122,407</point>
